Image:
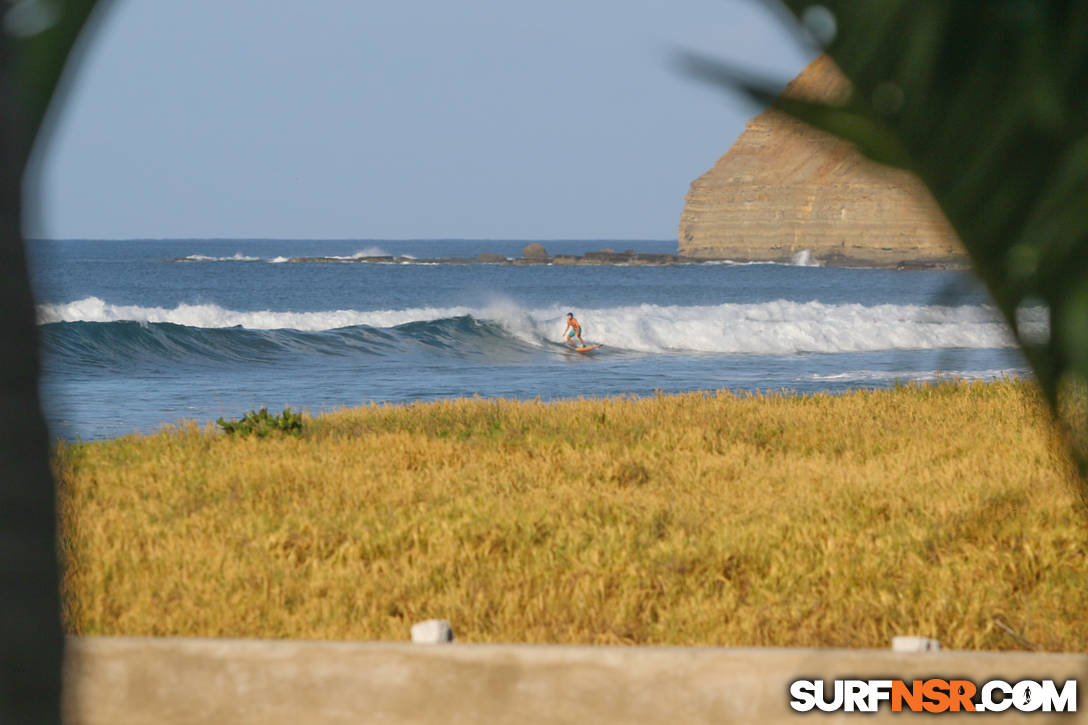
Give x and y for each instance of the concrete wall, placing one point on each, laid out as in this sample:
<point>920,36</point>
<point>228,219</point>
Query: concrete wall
<point>119,680</point>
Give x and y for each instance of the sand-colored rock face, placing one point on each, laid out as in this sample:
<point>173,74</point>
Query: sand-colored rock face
<point>784,188</point>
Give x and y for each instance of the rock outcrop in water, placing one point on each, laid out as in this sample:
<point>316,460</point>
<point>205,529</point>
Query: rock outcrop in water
<point>535,250</point>
<point>784,188</point>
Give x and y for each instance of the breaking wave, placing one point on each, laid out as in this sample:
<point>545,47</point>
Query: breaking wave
<point>236,257</point>
<point>770,328</point>
<point>371,251</point>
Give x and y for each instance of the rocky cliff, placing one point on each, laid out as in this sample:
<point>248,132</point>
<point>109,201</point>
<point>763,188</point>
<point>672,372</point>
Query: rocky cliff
<point>784,188</point>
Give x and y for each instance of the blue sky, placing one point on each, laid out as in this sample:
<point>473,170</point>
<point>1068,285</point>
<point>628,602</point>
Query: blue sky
<point>411,119</point>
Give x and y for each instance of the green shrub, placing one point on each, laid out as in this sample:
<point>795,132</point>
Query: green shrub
<point>263,424</point>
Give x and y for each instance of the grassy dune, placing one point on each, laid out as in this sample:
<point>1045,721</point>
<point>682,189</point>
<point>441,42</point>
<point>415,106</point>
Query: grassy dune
<point>946,511</point>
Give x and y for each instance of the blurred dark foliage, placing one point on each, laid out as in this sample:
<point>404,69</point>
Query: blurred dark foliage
<point>987,102</point>
<point>42,35</point>
<point>36,37</point>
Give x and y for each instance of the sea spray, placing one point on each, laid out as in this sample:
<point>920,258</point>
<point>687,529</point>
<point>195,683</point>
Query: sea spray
<point>804,258</point>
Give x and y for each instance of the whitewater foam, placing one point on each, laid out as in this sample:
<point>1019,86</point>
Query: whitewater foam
<point>780,327</point>
<point>885,376</point>
<point>803,258</point>
<point>93,309</point>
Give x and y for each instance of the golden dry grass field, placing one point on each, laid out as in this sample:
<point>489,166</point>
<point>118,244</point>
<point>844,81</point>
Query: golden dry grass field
<point>830,520</point>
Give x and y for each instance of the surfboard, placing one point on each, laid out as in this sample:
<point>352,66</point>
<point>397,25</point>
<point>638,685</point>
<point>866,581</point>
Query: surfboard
<point>587,348</point>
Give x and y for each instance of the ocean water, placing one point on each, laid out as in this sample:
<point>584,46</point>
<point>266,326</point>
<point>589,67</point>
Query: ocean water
<point>132,341</point>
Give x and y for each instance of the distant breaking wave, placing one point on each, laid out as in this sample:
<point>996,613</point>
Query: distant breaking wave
<point>239,257</point>
<point>236,257</point>
<point>368,252</point>
<point>769,328</point>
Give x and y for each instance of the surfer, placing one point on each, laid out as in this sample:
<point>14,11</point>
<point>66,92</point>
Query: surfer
<point>572,330</point>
